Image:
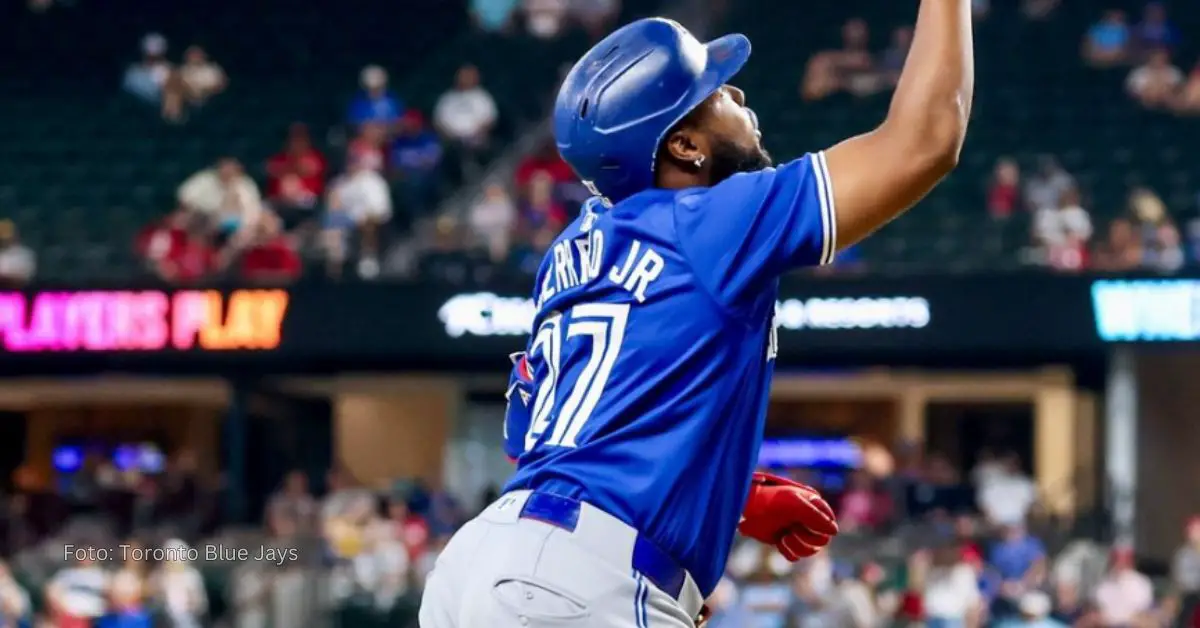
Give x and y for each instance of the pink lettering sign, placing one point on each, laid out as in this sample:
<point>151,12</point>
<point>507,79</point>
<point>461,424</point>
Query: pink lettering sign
<point>85,321</point>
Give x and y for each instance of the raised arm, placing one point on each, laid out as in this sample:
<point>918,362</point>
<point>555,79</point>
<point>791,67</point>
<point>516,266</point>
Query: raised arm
<point>877,176</point>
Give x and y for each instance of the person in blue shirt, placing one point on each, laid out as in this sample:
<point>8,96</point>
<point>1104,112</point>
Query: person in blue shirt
<point>375,103</point>
<point>1107,41</point>
<point>416,155</point>
<point>638,414</point>
<point>1019,561</point>
<point>1155,31</point>
<point>493,15</point>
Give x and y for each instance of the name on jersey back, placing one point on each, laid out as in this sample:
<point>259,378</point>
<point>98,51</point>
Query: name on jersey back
<point>579,262</point>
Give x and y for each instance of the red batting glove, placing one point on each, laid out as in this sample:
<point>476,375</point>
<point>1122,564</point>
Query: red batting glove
<point>789,515</point>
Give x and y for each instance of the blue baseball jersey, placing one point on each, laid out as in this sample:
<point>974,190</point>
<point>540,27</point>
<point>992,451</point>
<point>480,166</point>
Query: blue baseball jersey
<point>652,351</point>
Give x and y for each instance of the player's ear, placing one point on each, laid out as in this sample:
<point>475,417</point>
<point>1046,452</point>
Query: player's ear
<point>686,148</point>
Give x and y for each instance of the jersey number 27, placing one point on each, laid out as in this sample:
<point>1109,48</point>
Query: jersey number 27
<point>602,326</point>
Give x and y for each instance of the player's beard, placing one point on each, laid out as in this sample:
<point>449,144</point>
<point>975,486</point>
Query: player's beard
<point>728,159</point>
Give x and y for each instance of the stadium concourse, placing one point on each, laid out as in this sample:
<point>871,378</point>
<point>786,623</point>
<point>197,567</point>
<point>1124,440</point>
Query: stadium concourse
<point>328,151</point>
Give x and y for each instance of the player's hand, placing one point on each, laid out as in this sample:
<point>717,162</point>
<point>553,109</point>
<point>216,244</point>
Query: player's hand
<point>789,515</point>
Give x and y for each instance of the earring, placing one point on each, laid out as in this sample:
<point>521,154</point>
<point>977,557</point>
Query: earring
<point>699,161</point>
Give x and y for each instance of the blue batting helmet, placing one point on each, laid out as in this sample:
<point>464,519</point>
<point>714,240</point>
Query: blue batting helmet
<point>618,102</point>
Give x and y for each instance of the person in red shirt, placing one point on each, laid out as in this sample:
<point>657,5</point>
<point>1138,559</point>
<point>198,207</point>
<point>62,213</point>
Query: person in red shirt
<point>1004,195</point>
<point>271,256</point>
<point>544,160</point>
<point>178,248</point>
<point>299,158</point>
<point>411,529</point>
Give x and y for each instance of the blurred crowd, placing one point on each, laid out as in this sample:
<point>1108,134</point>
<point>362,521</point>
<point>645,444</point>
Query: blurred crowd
<point>369,189</point>
<point>1148,235</point>
<point>922,544</point>
<point>926,545</point>
<point>368,196</point>
<point>104,546</point>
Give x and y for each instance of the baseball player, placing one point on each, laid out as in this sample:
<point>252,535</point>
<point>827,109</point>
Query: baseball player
<point>637,411</point>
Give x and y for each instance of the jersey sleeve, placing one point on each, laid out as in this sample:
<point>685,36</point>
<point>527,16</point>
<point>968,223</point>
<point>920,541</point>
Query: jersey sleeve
<point>746,231</point>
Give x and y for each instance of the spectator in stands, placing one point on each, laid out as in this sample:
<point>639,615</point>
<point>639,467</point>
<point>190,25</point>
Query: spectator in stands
<point>1020,562</point>
<point>540,208</point>
<point>180,587</point>
<point>415,161</point>
<point>78,595</point>
<point>1188,101</point>
<point>363,200</point>
<point>1107,42</point>
<point>294,502</point>
<point>1166,255</point>
<point>341,492</point>
<point>544,160</point>
<point>17,261</point>
<point>200,76</point>
<point>545,18</point>
<point>369,145</point>
<point>466,114</point>
<point>1185,573</point>
<point>1006,497</point>
<point>1155,31</point>
<point>375,103</point>
<point>299,158</point>
<point>493,15</point>
<point>1047,185</point>
<point>409,527</point>
<point>857,599</point>
<point>1125,597</point>
<point>154,80</point>
<point>128,594</point>
<point>949,587</point>
<point>861,506</point>
<point>850,68</point>
<point>177,248</point>
<point>1063,232</point>
<point>223,194</point>
<point>987,467</point>
<point>270,255</point>
<point>1156,83</point>
<point>15,606</point>
<point>1004,193</point>
<point>595,16</point>
<point>892,60</point>
<point>492,220</point>
<point>1161,245</point>
<point>295,205</point>
<point>1121,250</point>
